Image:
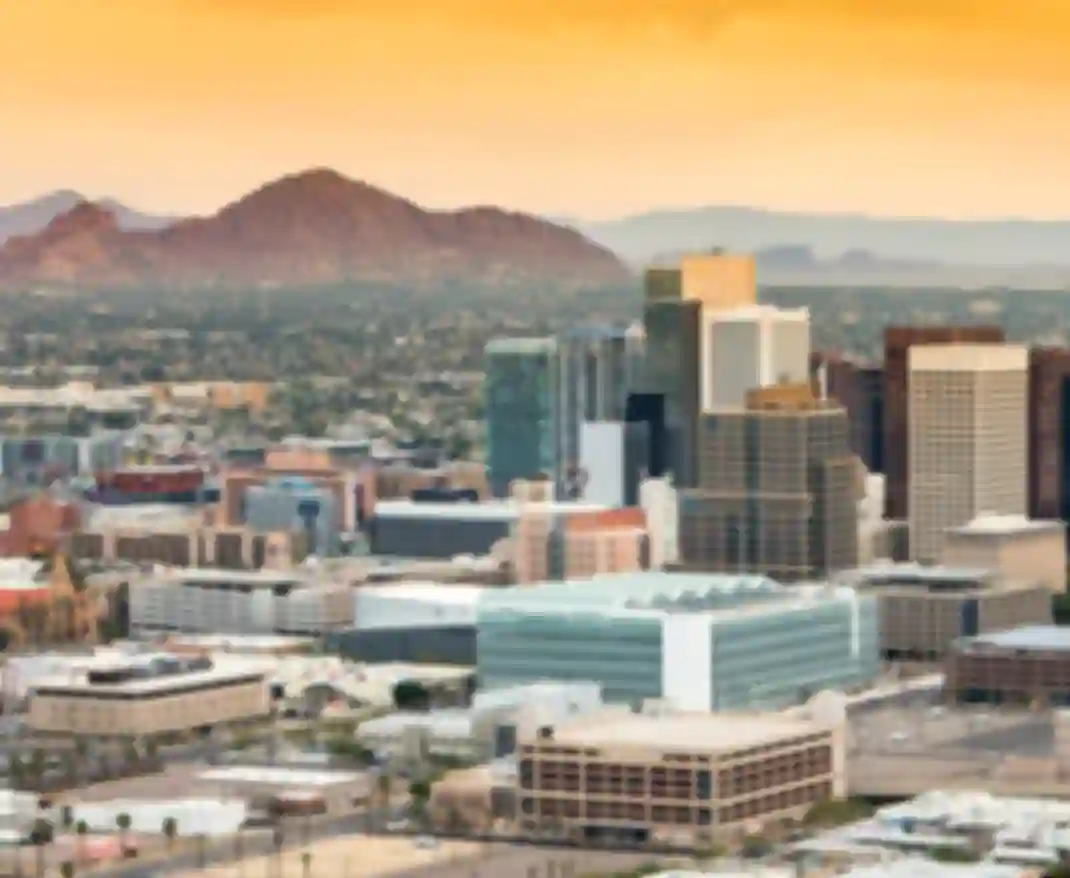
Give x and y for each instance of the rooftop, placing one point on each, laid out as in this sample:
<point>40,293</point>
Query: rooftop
<point>657,593</point>
<point>910,573</point>
<point>460,595</point>
<point>1027,638</point>
<point>78,681</point>
<point>520,346</point>
<point>277,776</point>
<point>488,510</point>
<point>968,357</point>
<point>710,732</point>
<point>1006,525</point>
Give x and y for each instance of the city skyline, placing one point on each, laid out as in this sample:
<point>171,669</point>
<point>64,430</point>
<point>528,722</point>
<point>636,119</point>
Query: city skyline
<point>941,109</point>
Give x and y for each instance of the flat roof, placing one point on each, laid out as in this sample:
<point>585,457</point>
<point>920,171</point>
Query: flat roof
<point>968,357</point>
<point>710,732</point>
<point>445,593</point>
<point>1006,525</point>
<point>485,510</point>
<point>270,775</point>
<point>239,577</point>
<point>77,682</point>
<point>1028,637</point>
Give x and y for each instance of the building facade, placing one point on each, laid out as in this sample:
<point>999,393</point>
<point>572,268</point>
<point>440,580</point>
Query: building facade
<point>777,489</point>
<point>238,602</point>
<point>522,397</point>
<point>599,367</point>
<point>702,642</point>
<point>1049,433</point>
<point>925,611</point>
<point>290,504</point>
<point>967,444</point>
<point>155,696</point>
<point>746,348</point>
<point>1020,666</point>
<point>674,301</point>
<point>898,340</point>
<point>1015,548</point>
<point>860,390</point>
<point>613,777</point>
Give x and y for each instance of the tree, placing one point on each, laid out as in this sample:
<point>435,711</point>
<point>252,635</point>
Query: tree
<point>170,830</point>
<point>123,821</point>
<point>411,695</point>
<point>66,869</point>
<point>82,829</point>
<point>755,847</point>
<point>306,864</point>
<point>42,834</point>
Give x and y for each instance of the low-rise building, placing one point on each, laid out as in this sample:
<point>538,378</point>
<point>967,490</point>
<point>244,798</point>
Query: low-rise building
<point>700,641</point>
<point>1015,547</point>
<point>239,602</point>
<point>146,696</point>
<point>924,610</point>
<point>488,729</point>
<point>620,776</point>
<point>1023,666</point>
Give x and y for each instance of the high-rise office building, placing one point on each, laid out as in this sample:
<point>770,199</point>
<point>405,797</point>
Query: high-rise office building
<point>860,390</point>
<point>674,302</point>
<point>522,391</point>
<point>968,445</point>
<point>599,366</point>
<point>897,342</point>
<point>1049,433</point>
<point>777,489</point>
<point>754,346</point>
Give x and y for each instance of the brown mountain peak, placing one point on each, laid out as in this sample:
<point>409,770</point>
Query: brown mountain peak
<point>313,227</point>
<point>85,216</point>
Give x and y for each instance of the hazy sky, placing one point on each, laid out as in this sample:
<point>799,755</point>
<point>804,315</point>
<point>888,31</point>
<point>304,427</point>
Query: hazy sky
<point>591,107</point>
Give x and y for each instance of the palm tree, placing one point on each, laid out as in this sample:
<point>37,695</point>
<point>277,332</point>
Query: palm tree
<point>66,869</point>
<point>170,830</point>
<point>82,829</point>
<point>42,834</point>
<point>123,821</point>
<point>306,864</point>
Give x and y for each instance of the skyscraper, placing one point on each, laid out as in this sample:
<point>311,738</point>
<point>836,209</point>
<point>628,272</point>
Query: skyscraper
<point>599,366</point>
<point>674,302</point>
<point>522,389</point>
<point>777,491</point>
<point>897,342</point>
<point>749,347</point>
<point>968,444</point>
<point>1049,433</point>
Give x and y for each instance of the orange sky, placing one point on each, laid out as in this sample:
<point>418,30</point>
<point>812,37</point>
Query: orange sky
<point>591,107</point>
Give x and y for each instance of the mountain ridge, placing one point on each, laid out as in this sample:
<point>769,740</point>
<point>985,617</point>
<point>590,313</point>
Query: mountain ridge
<point>1004,242</point>
<point>307,228</point>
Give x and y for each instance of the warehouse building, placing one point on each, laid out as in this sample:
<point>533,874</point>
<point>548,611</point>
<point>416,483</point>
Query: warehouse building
<point>699,641</point>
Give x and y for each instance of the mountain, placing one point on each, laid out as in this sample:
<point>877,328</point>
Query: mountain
<point>998,242</point>
<point>31,217</point>
<point>798,265</point>
<point>315,227</point>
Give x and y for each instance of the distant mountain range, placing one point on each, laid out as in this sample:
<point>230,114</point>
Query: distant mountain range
<point>310,228</point>
<point>644,237</point>
<point>810,247</point>
<point>30,217</point>
<point>320,227</point>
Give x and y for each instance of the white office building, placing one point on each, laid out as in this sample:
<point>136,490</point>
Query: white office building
<point>756,346</point>
<point>194,601</point>
<point>968,448</point>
